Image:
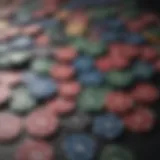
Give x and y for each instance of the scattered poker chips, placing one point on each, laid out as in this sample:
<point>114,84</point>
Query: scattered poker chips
<point>83,70</point>
<point>79,146</point>
<point>108,126</point>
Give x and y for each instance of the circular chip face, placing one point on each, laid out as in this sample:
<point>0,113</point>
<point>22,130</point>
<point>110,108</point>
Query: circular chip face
<point>91,99</point>
<point>142,70</point>
<point>34,150</point>
<point>78,121</point>
<point>62,72</point>
<point>145,93</point>
<point>140,120</point>
<point>108,126</point>
<point>93,78</point>
<point>42,40</point>
<point>22,101</point>
<point>40,124</point>
<point>83,64</point>
<point>10,126</point>
<point>65,54</point>
<point>118,102</point>
<point>116,152</point>
<point>69,89</point>
<point>119,78</point>
<point>79,146</point>
<point>61,106</point>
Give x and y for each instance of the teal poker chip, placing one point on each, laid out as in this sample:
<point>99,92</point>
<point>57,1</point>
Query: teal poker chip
<point>41,65</point>
<point>91,99</point>
<point>22,101</point>
<point>116,152</point>
<point>119,78</point>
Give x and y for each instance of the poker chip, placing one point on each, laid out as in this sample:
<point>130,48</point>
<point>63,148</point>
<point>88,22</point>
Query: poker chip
<point>60,106</point>
<point>65,54</point>
<point>91,99</point>
<point>107,126</point>
<point>6,94</point>
<point>62,72</point>
<point>10,126</point>
<point>140,120</point>
<point>34,150</point>
<point>83,64</point>
<point>70,89</point>
<point>114,151</point>
<point>22,101</point>
<point>79,146</point>
<point>119,78</point>
<point>77,122</point>
<point>145,93</point>
<point>118,102</point>
<point>93,78</point>
<point>40,124</point>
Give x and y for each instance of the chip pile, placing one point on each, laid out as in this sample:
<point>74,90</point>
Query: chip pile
<point>84,68</point>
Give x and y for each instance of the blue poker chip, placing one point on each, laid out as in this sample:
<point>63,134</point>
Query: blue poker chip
<point>134,38</point>
<point>108,126</point>
<point>41,87</point>
<point>22,42</point>
<point>83,64</point>
<point>142,70</point>
<point>79,147</point>
<point>93,78</point>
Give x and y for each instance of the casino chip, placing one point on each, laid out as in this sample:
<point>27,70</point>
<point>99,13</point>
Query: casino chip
<point>91,99</point>
<point>78,121</point>
<point>10,126</point>
<point>118,102</point>
<point>116,152</point>
<point>22,101</point>
<point>41,124</point>
<point>140,120</point>
<point>79,146</point>
<point>34,150</point>
<point>107,126</point>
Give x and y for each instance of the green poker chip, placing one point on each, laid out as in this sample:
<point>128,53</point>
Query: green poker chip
<point>91,99</point>
<point>22,101</point>
<point>119,78</point>
<point>116,152</point>
<point>41,66</point>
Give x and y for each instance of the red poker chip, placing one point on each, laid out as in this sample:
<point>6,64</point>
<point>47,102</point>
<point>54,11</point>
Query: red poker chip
<point>34,150</point>
<point>39,14</point>
<point>148,53</point>
<point>140,120</point>
<point>60,106</point>
<point>42,40</point>
<point>69,89</point>
<point>10,126</point>
<point>65,54</point>
<point>145,93</point>
<point>41,124</point>
<point>104,64</point>
<point>9,78</point>
<point>62,72</point>
<point>149,19</point>
<point>118,102</point>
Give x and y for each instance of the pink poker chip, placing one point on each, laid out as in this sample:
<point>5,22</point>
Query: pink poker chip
<point>104,64</point>
<point>148,54</point>
<point>5,94</point>
<point>9,78</point>
<point>41,124</point>
<point>145,93</point>
<point>62,71</point>
<point>10,126</point>
<point>140,120</point>
<point>60,106</point>
<point>69,89</point>
<point>118,102</point>
<point>34,150</point>
<point>65,54</point>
